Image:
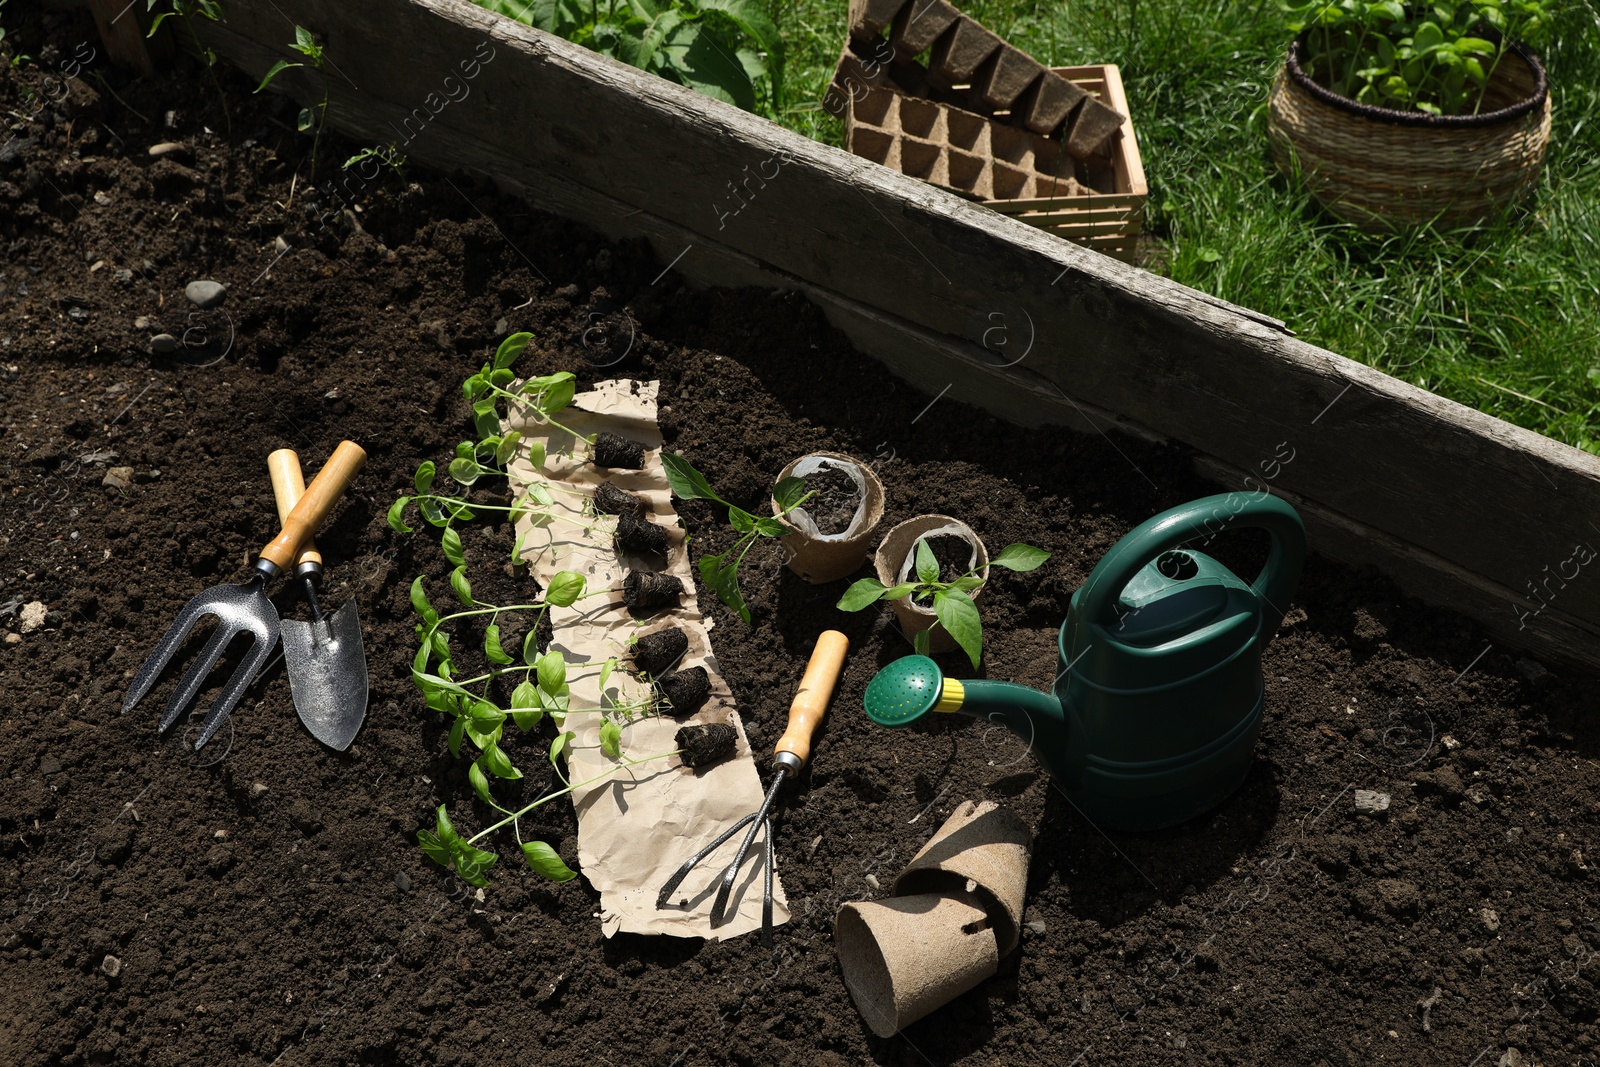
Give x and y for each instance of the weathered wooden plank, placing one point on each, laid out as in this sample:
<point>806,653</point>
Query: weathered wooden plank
<point>122,27</point>
<point>1455,489</point>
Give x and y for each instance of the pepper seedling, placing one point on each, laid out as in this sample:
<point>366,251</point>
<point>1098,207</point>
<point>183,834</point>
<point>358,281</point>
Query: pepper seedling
<point>718,573</point>
<point>957,612</point>
<point>307,45</point>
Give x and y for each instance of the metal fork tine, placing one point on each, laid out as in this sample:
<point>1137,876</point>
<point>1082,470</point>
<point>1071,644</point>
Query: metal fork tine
<point>152,667</point>
<point>243,675</point>
<point>196,675</point>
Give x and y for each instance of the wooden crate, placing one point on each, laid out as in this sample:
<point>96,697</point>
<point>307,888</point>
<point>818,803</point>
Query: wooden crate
<point>1463,510</point>
<point>1004,167</point>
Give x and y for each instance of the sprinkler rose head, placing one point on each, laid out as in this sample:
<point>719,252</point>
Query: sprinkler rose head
<point>904,691</point>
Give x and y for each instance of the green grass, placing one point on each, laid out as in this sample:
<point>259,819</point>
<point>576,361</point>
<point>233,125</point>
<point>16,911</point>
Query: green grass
<point>1505,319</point>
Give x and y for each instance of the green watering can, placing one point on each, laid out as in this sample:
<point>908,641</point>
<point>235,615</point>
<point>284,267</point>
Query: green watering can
<point>1158,699</point>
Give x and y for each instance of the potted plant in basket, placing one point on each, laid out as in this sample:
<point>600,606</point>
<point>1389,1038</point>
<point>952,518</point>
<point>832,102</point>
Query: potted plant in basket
<point>1399,115</point>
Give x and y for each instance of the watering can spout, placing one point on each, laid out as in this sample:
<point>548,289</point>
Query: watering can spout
<point>913,686</point>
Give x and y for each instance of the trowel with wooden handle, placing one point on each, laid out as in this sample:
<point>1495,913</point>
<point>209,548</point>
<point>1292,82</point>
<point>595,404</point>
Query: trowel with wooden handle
<point>325,658</point>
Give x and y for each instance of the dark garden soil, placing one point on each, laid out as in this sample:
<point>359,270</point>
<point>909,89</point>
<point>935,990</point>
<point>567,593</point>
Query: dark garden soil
<point>272,906</point>
<point>834,500</point>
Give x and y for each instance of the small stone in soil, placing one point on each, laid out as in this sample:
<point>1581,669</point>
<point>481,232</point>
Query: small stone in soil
<point>205,294</point>
<point>617,453</point>
<point>163,344</point>
<point>609,500</point>
<point>658,653</point>
<point>647,592</point>
<point>168,148</point>
<point>111,966</point>
<point>258,789</point>
<point>684,692</point>
<point>1371,802</point>
<point>118,477</point>
<point>835,501</point>
<point>639,537</point>
<point>402,881</point>
<point>32,616</point>
<point>704,745</point>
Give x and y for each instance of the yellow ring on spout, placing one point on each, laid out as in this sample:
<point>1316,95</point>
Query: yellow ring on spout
<point>951,696</point>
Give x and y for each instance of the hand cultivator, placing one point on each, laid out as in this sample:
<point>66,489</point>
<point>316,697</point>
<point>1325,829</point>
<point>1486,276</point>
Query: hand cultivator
<point>243,608</point>
<point>789,754</point>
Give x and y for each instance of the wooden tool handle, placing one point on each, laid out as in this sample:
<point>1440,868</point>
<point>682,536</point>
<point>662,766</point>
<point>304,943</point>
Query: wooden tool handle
<point>288,486</point>
<point>308,513</point>
<point>816,689</point>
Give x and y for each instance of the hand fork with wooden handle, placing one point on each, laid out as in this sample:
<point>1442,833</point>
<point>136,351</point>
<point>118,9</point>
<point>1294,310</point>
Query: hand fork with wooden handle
<point>788,756</point>
<point>243,608</point>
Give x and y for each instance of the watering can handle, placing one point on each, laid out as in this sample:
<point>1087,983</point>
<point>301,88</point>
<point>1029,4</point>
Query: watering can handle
<point>1206,518</point>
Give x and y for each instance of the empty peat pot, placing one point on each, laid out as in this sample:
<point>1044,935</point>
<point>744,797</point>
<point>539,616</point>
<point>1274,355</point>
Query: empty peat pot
<point>1159,693</point>
<point>825,557</point>
<point>896,562</point>
<point>957,910</point>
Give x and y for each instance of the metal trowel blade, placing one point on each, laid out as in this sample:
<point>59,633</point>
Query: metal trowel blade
<point>328,675</point>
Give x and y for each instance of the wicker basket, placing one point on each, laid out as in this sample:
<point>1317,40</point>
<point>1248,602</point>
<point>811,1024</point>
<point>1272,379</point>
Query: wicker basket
<point>1384,169</point>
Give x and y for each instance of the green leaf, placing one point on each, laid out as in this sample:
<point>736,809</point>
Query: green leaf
<point>771,528</point>
<point>480,783</point>
<point>472,862</point>
<point>396,515</point>
<point>752,19</point>
<point>611,739</point>
<point>927,566</point>
<point>507,447</point>
<point>458,729</point>
<point>1428,37</point>
<point>306,120</point>
<point>605,672</point>
<point>526,708</point>
<point>277,68</point>
<point>559,395</point>
<point>559,744</point>
<point>967,583</point>
<point>465,471</point>
<point>552,671</point>
<point>724,581</point>
<point>741,520</point>
<point>304,41</point>
<point>460,586</point>
<point>446,831</point>
<point>1019,557</point>
<point>959,617</point>
<point>687,483</point>
<point>432,511</point>
<point>450,543</point>
<point>542,859</point>
<point>536,454</point>
<point>485,419</point>
<point>530,647</point>
<point>510,349</point>
<point>499,764</point>
<point>491,645</point>
<point>866,591</point>
<point>564,589</point>
<point>436,850</point>
<point>423,479</point>
<point>699,57</point>
<point>419,602</point>
<point>920,643</point>
<point>788,493</point>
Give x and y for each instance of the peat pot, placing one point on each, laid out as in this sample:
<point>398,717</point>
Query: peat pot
<point>819,557</point>
<point>1384,169</point>
<point>895,563</point>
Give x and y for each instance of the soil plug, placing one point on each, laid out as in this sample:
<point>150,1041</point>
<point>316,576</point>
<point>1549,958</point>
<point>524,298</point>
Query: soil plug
<point>639,537</point>
<point>658,653</point>
<point>609,500</point>
<point>704,745</point>
<point>684,691</point>
<point>617,453</point>
<point>647,592</point>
